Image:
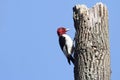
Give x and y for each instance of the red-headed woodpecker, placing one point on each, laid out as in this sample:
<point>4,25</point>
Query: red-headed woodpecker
<point>66,43</point>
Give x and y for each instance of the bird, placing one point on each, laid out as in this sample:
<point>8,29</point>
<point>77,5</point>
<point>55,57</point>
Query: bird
<point>66,43</point>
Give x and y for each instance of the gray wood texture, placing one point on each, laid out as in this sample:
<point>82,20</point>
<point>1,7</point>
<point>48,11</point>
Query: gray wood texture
<point>92,49</point>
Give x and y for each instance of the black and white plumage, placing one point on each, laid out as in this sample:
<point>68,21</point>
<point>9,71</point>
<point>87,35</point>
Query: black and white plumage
<point>66,43</point>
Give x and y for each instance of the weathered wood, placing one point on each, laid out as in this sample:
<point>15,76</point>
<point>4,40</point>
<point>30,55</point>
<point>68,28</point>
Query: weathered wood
<point>92,51</point>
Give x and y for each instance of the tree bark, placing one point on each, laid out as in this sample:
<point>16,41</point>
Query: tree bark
<point>92,50</point>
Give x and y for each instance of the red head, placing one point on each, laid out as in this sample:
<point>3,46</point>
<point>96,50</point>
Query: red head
<point>61,31</point>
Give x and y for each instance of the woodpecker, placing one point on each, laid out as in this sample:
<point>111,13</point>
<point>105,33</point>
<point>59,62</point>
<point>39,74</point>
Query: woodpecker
<point>66,43</point>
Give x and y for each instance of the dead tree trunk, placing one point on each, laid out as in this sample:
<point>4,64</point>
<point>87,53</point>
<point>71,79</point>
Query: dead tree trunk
<point>92,50</point>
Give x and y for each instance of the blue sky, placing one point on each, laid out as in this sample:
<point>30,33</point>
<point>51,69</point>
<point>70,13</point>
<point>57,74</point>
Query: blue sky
<point>29,47</point>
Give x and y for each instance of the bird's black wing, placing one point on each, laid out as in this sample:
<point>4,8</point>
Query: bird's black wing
<point>62,42</point>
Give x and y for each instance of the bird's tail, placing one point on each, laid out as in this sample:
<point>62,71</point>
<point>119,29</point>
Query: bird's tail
<point>70,58</point>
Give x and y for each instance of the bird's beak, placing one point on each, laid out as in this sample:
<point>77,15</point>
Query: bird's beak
<point>67,29</point>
